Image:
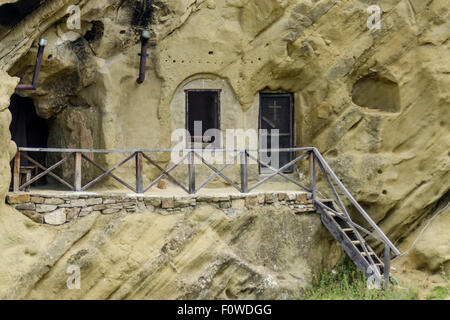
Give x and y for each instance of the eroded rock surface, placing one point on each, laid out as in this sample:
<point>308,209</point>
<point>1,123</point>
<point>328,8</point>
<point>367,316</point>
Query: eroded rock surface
<point>261,254</point>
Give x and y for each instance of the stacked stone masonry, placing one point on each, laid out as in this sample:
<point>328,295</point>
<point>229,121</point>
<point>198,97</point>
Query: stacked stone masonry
<point>61,208</point>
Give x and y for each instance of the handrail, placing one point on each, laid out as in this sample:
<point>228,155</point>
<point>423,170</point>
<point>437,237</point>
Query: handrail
<point>67,150</point>
<point>355,203</point>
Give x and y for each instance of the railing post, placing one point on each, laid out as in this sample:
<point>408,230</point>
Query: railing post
<point>77,175</point>
<point>312,174</point>
<point>16,172</point>
<point>244,172</point>
<point>191,173</point>
<point>387,265</point>
<point>139,174</point>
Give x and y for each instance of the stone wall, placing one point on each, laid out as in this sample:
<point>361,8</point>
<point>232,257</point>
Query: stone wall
<point>60,208</point>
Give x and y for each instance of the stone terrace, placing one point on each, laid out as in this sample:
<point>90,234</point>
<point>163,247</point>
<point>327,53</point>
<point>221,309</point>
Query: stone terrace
<point>57,208</point>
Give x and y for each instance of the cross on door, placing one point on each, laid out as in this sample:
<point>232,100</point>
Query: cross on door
<point>275,107</point>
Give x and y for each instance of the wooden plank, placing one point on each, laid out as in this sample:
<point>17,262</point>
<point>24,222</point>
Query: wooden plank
<point>312,175</point>
<point>71,150</point>
<point>47,171</point>
<point>16,172</point>
<point>279,172</point>
<point>139,173</point>
<point>108,173</point>
<point>165,173</point>
<point>244,172</point>
<point>217,173</point>
<point>387,266</point>
<point>191,173</point>
<point>77,173</point>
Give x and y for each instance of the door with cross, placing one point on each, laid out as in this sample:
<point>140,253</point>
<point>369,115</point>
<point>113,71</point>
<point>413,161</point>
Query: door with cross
<point>276,124</point>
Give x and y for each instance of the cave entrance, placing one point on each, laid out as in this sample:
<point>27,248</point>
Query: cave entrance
<point>12,13</point>
<point>202,106</point>
<point>28,130</point>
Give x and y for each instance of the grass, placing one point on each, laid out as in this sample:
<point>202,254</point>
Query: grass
<point>346,282</point>
<point>439,292</point>
<point>444,276</point>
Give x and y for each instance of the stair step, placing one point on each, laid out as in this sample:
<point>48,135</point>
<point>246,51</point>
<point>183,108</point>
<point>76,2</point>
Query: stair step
<point>356,242</point>
<point>347,229</point>
<point>334,214</point>
<point>365,254</point>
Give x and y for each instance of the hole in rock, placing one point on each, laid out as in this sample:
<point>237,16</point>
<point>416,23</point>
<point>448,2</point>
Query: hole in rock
<point>28,130</point>
<point>12,13</point>
<point>96,31</point>
<point>142,15</point>
<point>375,92</point>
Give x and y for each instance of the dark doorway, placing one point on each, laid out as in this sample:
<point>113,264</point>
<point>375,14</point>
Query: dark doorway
<point>28,130</point>
<point>277,113</point>
<point>12,13</point>
<point>202,106</point>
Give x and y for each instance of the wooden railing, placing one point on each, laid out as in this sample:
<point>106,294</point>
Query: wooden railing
<point>141,156</point>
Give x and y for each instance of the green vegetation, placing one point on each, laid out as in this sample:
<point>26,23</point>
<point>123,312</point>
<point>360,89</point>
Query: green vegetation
<point>438,293</point>
<point>346,282</point>
<point>444,276</point>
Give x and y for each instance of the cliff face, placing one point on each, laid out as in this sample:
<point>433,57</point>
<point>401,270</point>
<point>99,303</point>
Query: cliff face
<point>376,103</point>
<point>262,254</point>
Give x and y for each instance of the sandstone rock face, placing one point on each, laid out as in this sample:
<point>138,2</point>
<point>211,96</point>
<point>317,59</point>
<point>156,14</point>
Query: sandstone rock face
<point>6,145</point>
<point>262,254</point>
<point>376,103</point>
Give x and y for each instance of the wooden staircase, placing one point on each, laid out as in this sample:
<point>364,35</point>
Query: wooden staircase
<point>336,219</point>
<point>353,243</point>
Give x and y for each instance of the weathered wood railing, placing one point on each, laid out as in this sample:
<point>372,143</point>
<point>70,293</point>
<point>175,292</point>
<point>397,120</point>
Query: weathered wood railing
<point>140,155</point>
<point>316,161</point>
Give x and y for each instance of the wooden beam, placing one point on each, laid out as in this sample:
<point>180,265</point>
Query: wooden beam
<point>191,173</point>
<point>312,175</point>
<point>279,172</point>
<point>217,173</point>
<point>16,172</point>
<point>108,173</point>
<point>139,174</point>
<point>244,172</point>
<point>47,171</point>
<point>77,173</point>
<point>165,173</point>
<point>387,266</point>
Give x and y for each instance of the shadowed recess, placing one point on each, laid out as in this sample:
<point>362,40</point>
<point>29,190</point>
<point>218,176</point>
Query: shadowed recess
<point>12,13</point>
<point>375,92</point>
